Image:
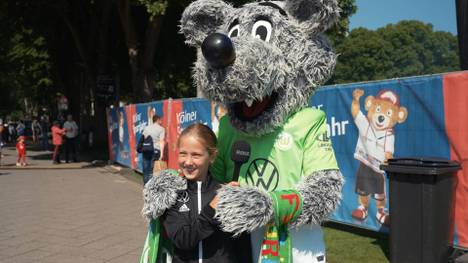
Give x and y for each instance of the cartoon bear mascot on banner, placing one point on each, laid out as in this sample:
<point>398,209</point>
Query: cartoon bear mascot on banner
<point>375,146</point>
<point>262,62</point>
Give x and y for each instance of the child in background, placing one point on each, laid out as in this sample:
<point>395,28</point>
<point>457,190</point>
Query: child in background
<point>21,149</point>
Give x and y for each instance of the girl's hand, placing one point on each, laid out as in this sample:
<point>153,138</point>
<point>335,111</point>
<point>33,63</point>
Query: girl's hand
<point>214,202</point>
<point>234,184</point>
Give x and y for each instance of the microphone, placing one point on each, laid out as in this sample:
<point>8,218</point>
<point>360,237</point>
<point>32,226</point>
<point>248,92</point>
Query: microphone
<point>240,154</point>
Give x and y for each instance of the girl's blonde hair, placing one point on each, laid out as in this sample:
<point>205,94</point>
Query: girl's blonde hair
<point>202,133</point>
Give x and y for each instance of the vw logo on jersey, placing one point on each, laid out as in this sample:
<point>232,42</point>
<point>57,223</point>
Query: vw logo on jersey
<point>284,141</point>
<point>262,173</point>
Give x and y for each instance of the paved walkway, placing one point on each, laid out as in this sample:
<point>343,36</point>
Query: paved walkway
<point>36,159</point>
<point>68,215</point>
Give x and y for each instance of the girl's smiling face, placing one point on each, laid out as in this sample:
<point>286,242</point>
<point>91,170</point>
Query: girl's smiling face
<point>194,158</point>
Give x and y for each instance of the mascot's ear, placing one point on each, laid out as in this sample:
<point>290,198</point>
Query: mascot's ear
<point>315,15</point>
<point>402,114</point>
<point>369,101</point>
<point>201,18</point>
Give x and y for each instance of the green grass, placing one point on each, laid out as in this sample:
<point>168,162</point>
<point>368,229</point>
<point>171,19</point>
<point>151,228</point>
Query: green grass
<point>346,244</point>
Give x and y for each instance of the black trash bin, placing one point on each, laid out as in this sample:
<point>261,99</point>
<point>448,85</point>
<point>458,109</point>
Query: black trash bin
<point>420,199</point>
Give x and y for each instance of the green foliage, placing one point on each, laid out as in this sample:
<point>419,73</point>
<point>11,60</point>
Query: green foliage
<point>341,29</point>
<point>15,115</point>
<point>30,65</point>
<point>24,65</point>
<point>173,60</point>
<point>155,7</point>
<point>405,49</point>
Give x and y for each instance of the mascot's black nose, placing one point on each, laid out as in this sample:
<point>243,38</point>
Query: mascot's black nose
<point>218,50</point>
<point>381,118</point>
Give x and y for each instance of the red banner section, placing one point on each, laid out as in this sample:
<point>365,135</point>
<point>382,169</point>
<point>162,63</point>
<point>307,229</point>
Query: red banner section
<point>456,125</point>
<point>130,112</point>
<point>173,130</point>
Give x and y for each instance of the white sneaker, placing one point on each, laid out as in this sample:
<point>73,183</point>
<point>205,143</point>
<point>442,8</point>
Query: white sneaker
<point>18,164</point>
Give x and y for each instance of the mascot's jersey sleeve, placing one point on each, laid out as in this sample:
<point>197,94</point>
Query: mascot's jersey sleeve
<point>279,159</point>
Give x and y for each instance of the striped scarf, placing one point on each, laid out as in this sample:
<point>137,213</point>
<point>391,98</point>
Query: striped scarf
<point>276,245</point>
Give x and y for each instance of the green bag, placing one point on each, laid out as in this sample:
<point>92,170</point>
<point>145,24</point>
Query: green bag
<point>157,245</point>
<point>151,248</point>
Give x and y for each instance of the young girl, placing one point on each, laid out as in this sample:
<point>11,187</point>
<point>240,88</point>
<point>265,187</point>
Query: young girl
<point>190,223</point>
<point>21,149</point>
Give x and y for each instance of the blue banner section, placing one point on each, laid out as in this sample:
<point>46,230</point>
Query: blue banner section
<point>392,118</point>
<point>194,110</point>
<point>143,117</point>
<point>113,132</point>
<point>122,138</point>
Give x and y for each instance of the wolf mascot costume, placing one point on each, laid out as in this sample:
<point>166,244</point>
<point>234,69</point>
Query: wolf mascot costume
<point>263,61</point>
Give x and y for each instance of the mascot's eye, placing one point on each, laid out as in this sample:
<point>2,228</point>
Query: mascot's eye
<point>262,29</point>
<point>234,31</point>
<point>389,113</point>
<point>377,109</point>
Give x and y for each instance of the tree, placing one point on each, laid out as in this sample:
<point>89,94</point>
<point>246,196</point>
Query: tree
<point>31,79</point>
<point>82,41</point>
<point>341,29</point>
<point>25,67</point>
<point>407,48</point>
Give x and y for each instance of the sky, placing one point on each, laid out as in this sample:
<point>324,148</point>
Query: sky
<point>373,14</point>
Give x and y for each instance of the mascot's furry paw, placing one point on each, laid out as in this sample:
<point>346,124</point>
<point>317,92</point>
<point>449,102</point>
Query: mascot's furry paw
<point>160,193</point>
<point>321,194</point>
<point>243,209</point>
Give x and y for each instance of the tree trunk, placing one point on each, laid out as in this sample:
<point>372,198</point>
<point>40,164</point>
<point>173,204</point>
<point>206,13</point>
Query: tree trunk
<point>97,125</point>
<point>152,37</point>
<point>140,57</point>
<point>131,41</point>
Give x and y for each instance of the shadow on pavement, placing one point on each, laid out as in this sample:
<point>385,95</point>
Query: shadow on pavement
<point>44,156</point>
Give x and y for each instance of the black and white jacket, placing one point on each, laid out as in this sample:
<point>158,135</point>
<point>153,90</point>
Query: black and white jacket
<point>195,233</point>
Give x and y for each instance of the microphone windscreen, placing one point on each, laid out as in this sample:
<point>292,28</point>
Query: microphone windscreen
<point>240,152</point>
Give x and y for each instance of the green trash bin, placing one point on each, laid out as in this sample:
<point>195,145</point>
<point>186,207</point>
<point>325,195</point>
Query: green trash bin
<point>420,201</point>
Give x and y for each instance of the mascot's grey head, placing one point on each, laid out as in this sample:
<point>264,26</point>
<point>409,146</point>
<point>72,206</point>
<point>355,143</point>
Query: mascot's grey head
<point>263,60</point>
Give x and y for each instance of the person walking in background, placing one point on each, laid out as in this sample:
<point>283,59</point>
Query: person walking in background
<point>44,123</point>
<point>157,133</point>
<point>70,138</point>
<point>11,132</point>
<point>21,149</point>
<point>20,128</point>
<point>36,130</point>
<point>57,141</point>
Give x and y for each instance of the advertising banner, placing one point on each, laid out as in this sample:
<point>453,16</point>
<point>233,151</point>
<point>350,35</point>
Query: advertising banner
<point>456,125</point>
<point>183,113</point>
<point>142,117</point>
<point>368,123</point>
<point>372,122</point>
<point>112,132</point>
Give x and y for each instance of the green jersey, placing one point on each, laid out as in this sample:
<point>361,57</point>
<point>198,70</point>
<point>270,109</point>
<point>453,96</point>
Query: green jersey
<point>279,159</point>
